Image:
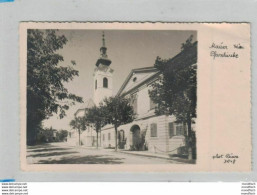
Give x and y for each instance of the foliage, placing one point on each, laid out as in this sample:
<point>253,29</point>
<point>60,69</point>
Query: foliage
<point>187,44</point>
<point>46,93</point>
<point>95,118</point>
<point>79,124</point>
<point>62,135</point>
<point>175,92</point>
<point>117,111</point>
<point>46,135</point>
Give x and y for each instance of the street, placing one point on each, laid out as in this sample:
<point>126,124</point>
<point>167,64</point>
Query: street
<point>59,153</point>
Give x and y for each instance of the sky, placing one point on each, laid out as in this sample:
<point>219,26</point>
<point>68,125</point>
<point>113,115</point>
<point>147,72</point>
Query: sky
<point>127,49</point>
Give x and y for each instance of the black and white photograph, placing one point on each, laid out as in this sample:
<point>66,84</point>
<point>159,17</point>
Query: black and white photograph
<point>111,96</point>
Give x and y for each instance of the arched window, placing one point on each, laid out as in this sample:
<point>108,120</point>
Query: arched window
<point>105,82</point>
<point>95,84</point>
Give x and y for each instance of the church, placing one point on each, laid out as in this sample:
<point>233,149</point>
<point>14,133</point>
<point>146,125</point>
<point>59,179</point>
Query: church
<point>149,132</point>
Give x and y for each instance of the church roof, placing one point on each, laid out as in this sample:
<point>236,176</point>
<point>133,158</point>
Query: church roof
<point>136,77</point>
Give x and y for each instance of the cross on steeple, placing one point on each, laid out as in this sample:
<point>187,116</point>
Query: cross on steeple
<point>103,54</point>
<point>103,40</point>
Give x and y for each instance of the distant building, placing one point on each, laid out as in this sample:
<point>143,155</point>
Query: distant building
<point>88,137</point>
<point>158,134</point>
<point>47,135</point>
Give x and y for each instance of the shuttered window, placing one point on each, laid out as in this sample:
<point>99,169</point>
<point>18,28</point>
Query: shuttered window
<point>153,130</point>
<point>134,102</point>
<point>171,130</point>
<point>152,104</point>
<point>179,129</point>
<point>103,137</point>
<point>109,136</point>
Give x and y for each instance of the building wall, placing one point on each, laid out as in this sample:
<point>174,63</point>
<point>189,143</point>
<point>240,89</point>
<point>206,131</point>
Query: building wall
<point>108,138</point>
<point>159,144</point>
<point>162,143</point>
<point>100,93</point>
<point>87,137</point>
<point>143,101</point>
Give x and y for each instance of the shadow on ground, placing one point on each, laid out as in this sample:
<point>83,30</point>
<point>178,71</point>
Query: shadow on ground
<point>50,154</point>
<point>49,149</point>
<point>40,146</point>
<point>90,159</point>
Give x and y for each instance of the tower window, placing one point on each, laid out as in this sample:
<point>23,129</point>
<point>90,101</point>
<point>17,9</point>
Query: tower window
<point>105,82</point>
<point>95,84</point>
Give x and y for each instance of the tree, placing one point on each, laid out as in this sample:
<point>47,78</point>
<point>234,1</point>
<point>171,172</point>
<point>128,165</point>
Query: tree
<point>46,93</point>
<point>62,135</point>
<point>79,124</point>
<point>175,92</point>
<point>95,117</point>
<point>118,111</point>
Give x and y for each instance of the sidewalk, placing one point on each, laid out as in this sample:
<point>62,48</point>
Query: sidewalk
<point>158,155</point>
<point>140,153</point>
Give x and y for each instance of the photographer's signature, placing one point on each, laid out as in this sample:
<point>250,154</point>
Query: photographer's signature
<point>228,158</point>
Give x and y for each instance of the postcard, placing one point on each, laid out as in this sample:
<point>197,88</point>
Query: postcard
<point>135,97</point>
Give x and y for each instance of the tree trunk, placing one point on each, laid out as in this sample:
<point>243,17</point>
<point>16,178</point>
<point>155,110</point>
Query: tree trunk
<point>96,139</point>
<point>100,138</point>
<point>79,137</point>
<point>116,138</point>
<point>190,152</point>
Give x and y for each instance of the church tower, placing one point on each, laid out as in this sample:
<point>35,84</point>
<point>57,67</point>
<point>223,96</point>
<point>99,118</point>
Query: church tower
<point>102,75</point>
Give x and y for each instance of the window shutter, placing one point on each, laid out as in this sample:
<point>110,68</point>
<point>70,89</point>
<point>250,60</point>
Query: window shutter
<point>153,130</point>
<point>179,129</point>
<point>171,130</point>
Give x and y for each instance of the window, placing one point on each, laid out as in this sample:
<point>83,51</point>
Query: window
<point>179,129</point>
<point>121,135</point>
<point>153,130</point>
<point>95,84</point>
<point>103,137</point>
<point>152,104</point>
<point>105,82</point>
<point>171,130</point>
<point>134,102</point>
<point>109,136</point>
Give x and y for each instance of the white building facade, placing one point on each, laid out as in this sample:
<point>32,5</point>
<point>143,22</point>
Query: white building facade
<point>157,134</point>
<point>149,132</point>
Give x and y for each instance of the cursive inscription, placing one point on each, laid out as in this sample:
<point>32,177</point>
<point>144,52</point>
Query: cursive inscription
<point>218,46</point>
<point>221,50</point>
<point>228,158</point>
<point>238,46</point>
<point>216,54</point>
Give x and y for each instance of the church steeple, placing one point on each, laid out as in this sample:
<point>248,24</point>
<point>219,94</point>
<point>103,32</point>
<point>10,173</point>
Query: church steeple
<point>103,75</point>
<point>103,55</point>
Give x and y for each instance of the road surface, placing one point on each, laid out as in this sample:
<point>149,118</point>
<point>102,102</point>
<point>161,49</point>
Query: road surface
<point>59,153</point>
